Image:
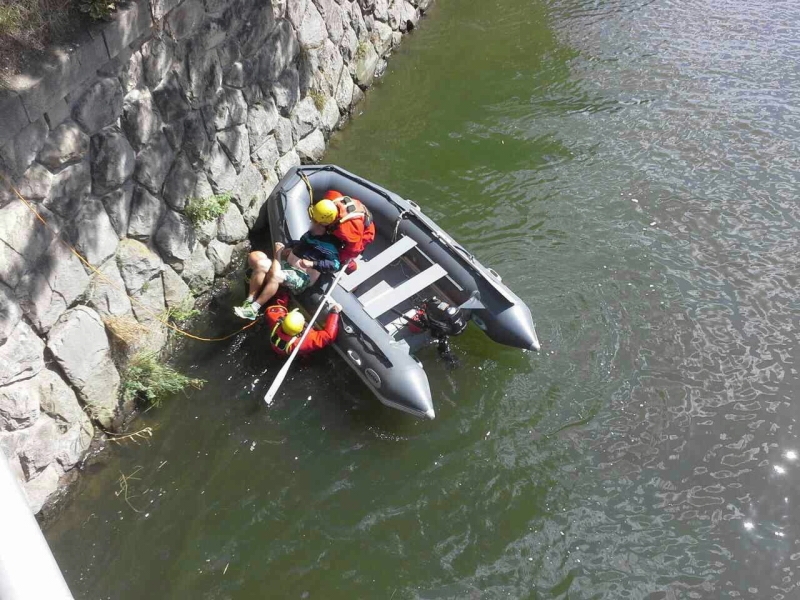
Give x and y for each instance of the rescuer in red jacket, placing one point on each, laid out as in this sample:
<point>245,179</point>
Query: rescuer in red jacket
<point>286,327</point>
<point>347,219</point>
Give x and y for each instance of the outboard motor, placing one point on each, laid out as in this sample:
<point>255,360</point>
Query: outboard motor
<point>443,321</point>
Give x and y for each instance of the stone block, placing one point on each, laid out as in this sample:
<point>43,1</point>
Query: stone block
<point>330,116</point>
<point>305,118</point>
<point>365,65</point>
<point>395,14</point>
<point>58,112</point>
<point>220,256</point>
<point>286,91</point>
<point>140,119</point>
<point>409,17</point>
<point>129,24</point>
<point>154,162</point>
<point>279,51</point>
<point>381,38</point>
<point>71,186</point>
<point>256,30</point>
<point>334,17</point>
<point>100,105</point>
<point>149,304</point>
<point>12,115</point>
<point>228,53</point>
<point>10,313</point>
<point>80,346</point>
<point>170,98</point>
<point>295,11</point>
<point>185,19</point>
<point>56,76</point>
<point>237,146</point>
<point>36,184</point>
<point>131,75</point>
<point>160,8</point>
<point>235,76</point>
<point>137,264</point>
<point>213,32</point>
<point>146,211</point>
<point>180,183</point>
<point>118,207</point>
<point>19,405</point>
<point>24,240</point>
<point>91,54</point>
<point>228,109</point>
<point>113,160</point>
<point>66,144</point>
<point>231,227</point>
<point>92,232</point>
<point>286,162</point>
<point>261,121</point>
<point>204,74</point>
<point>47,290</point>
<point>175,238</point>
<point>220,170</point>
<point>326,67</point>
<point>22,356</point>
<point>344,92</point>
<point>42,487</point>
<point>284,137</point>
<point>174,132</point>
<point>267,154</point>
<point>312,147</point>
<point>198,271</point>
<point>157,55</point>
<point>18,154</point>
<point>176,291</point>
<point>279,9</point>
<point>106,292</point>
<point>196,141</point>
<point>247,186</point>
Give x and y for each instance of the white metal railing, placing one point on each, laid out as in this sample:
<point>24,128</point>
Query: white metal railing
<point>28,569</point>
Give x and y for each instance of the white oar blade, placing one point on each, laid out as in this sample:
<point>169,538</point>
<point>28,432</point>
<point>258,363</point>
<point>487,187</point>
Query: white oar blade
<point>273,389</point>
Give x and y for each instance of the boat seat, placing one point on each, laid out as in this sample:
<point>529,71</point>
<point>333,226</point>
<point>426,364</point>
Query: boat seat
<point>377,263</point>
<point>389,296</point>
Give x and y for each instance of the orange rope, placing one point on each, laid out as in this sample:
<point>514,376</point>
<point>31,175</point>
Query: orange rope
<point>114,285</point>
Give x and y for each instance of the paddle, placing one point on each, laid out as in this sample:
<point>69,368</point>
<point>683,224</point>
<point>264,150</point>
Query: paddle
<point>273,389</point>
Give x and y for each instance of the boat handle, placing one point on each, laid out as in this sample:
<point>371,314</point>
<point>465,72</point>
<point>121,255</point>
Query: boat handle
<point>414,204</point>
<point>354,357</point>
<point>495,274</point>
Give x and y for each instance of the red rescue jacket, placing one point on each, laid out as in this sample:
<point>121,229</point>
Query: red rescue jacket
<point>354,226</point>
<point>283,343</point>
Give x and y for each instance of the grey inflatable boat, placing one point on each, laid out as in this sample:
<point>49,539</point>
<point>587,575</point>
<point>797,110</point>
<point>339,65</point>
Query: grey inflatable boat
<point>414,286</point>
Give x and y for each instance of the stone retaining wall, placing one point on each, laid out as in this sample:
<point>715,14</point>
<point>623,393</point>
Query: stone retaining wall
<point>109,139</point>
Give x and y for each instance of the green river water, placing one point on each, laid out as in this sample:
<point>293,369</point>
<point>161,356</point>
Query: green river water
<point>630,168</point>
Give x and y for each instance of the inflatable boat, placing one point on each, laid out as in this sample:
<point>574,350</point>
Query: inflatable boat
<point>414,286</point>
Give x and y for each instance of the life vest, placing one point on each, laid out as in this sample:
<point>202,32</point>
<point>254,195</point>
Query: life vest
<point>350,208</point>
<point>281,340</point>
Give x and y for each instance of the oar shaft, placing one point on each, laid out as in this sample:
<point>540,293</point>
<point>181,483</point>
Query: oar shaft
<point>276,384</point>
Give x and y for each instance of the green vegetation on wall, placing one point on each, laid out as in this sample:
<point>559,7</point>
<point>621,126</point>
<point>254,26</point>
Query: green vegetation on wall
<point>202,210</point>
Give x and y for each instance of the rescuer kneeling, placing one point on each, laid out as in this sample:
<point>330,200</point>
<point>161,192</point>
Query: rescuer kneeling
<point>286,327</point>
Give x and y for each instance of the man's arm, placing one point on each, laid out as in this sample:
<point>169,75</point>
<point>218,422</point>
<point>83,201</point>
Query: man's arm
<point>318,339</point>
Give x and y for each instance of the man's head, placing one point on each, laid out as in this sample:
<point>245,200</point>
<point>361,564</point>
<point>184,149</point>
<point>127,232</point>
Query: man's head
<point>323,212</point>
<point>293,323</point>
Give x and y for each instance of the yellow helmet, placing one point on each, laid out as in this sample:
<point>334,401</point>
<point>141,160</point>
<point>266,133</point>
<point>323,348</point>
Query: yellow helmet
<point>323,212</point>
<point>293,323</point>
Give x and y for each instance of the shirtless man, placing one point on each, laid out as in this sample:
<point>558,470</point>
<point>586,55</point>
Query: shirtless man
<point>296,267</point>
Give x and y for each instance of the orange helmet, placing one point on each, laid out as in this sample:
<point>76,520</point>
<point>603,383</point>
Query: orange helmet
<point>332,195</point>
